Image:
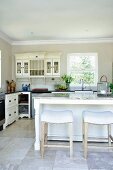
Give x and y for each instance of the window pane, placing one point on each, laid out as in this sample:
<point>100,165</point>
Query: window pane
<point>0,69</point>
<point>83,66</point>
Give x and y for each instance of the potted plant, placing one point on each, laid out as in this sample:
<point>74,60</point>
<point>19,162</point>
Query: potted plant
<point>67,79</point>
<point>111,87</point>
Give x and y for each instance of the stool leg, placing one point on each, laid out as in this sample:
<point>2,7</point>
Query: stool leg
<point>71,138</point>
<point>83,132</point>
<point>46,132</point>
<point>85,138</point>
<point>42,139</point>
<point>109,134</point>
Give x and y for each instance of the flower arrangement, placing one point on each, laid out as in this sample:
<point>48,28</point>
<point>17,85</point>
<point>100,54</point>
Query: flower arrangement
<point>67,78</point>
<point>111,87</point>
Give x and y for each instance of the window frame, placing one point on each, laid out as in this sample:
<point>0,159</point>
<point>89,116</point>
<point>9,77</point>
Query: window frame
<point>84,54</point>
<point>0,70</point>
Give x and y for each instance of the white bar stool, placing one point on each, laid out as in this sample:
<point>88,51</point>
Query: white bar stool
<point>96,118</point>
<point>56,117</point>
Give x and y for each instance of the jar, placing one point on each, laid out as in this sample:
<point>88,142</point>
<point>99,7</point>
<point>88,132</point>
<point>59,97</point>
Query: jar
<point>13,86</point>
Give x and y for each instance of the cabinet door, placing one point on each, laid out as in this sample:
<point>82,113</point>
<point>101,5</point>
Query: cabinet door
<point>56,67</point>
<point>48,67</point>
<point>22,68</point>
<point>37,67</point>
<point>11,100</point>
<point>11,115</point>
<point>19,67</point>
<point>25,71</point>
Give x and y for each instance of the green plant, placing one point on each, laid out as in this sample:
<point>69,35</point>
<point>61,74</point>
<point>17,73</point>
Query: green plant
<point>67,78</point>
<point>111,85</point>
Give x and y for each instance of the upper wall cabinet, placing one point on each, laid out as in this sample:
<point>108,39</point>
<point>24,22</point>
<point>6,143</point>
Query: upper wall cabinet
<point>22,66</point>
<point>52,64</point>
<point>37,64</point>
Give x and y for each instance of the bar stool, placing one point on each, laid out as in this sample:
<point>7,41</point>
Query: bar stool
<point>56,117</point>
<point>96,118</point>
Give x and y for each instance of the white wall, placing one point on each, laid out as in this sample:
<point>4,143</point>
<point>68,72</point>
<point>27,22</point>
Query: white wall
<point>104,50</point>
<point>6,62</point>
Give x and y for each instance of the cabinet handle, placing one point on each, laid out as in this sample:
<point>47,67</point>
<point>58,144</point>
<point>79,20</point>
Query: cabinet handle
<point>36,56</point>
<point>15,99</point>
<point>15,112</point>
<point>9,100</point>
<point>9,114</point>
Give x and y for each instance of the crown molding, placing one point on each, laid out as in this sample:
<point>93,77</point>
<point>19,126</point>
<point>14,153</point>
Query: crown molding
<point>60,41</point>
<point>5,38</point>
<point>65,41</point>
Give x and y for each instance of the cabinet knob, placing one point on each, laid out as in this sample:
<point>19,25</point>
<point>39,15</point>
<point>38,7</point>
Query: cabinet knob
<point>14,99</point>
<point>9,114</point>
<point>9,100</point>
<point>15,112</point>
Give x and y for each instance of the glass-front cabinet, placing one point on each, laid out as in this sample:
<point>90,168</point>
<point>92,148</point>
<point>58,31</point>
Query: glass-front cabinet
<point>52,64</point>
<point>56,66</point>
<point>37,64</point>
<point>22,68</point>
<point>52,67</point>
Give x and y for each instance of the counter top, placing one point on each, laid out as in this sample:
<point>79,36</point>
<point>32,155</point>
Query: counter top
<point>49,91</point>
<point>72,98</point>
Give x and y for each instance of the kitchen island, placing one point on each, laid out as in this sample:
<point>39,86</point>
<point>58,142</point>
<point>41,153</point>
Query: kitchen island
<point>76,103</point>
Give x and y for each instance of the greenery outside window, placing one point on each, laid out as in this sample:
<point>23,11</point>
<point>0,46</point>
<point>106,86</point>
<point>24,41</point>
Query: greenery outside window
<point>0,69</point>
<point>83,67</point>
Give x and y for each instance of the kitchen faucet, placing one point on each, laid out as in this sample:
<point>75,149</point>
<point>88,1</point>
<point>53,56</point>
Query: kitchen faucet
<point>82,84</point>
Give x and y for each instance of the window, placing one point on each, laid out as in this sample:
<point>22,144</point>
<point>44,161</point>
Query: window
<point>0,69</point>
<point>83,67</point>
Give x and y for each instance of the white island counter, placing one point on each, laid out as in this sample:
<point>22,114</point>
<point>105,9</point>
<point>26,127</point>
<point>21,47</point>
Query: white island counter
<point>75,103</point>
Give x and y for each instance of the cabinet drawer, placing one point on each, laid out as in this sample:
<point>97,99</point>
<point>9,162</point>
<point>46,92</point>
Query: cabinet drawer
<point>11,112</point>
<point>11,100</point>
<point>11,115</point>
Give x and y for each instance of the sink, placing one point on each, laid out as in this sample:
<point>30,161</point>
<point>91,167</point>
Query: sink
<point>83,95</point>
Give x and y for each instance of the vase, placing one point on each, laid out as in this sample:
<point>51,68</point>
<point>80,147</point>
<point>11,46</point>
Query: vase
<point>67,86</point>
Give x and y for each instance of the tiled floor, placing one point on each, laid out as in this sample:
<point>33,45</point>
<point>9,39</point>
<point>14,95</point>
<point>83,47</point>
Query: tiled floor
<point>17,152</point>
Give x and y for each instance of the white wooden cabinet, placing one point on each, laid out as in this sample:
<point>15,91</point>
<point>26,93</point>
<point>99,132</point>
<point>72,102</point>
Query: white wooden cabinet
<point>11,108</point>
<point>52,64</point>
<point>22,66</point>
<point>24,104</point>
<point>37,64</point>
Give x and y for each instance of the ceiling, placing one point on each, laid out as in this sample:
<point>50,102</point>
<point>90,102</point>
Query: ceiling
<point>29,20</point>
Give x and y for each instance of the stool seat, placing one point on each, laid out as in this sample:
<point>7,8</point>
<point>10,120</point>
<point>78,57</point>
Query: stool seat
<point>105,117</point>
<point>51,116</point>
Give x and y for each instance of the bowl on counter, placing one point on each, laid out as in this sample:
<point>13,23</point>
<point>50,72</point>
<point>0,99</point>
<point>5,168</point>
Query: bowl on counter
<point>40,90</point>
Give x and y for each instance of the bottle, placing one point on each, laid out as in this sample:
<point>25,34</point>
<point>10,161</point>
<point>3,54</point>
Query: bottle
<point>29,87</point>
<point>22,87</point>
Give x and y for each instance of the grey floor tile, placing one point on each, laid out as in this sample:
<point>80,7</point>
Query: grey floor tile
<point>63,160</point>
<point>17,152</point>
<point>35,164</point>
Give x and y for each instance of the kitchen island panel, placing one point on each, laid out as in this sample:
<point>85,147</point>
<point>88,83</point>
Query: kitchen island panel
<point>77,106</point>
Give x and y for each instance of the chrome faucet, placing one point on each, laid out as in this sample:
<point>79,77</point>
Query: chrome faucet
<point>82,84</point>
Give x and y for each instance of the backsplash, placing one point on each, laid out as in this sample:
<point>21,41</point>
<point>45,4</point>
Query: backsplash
<point>38,83</point>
